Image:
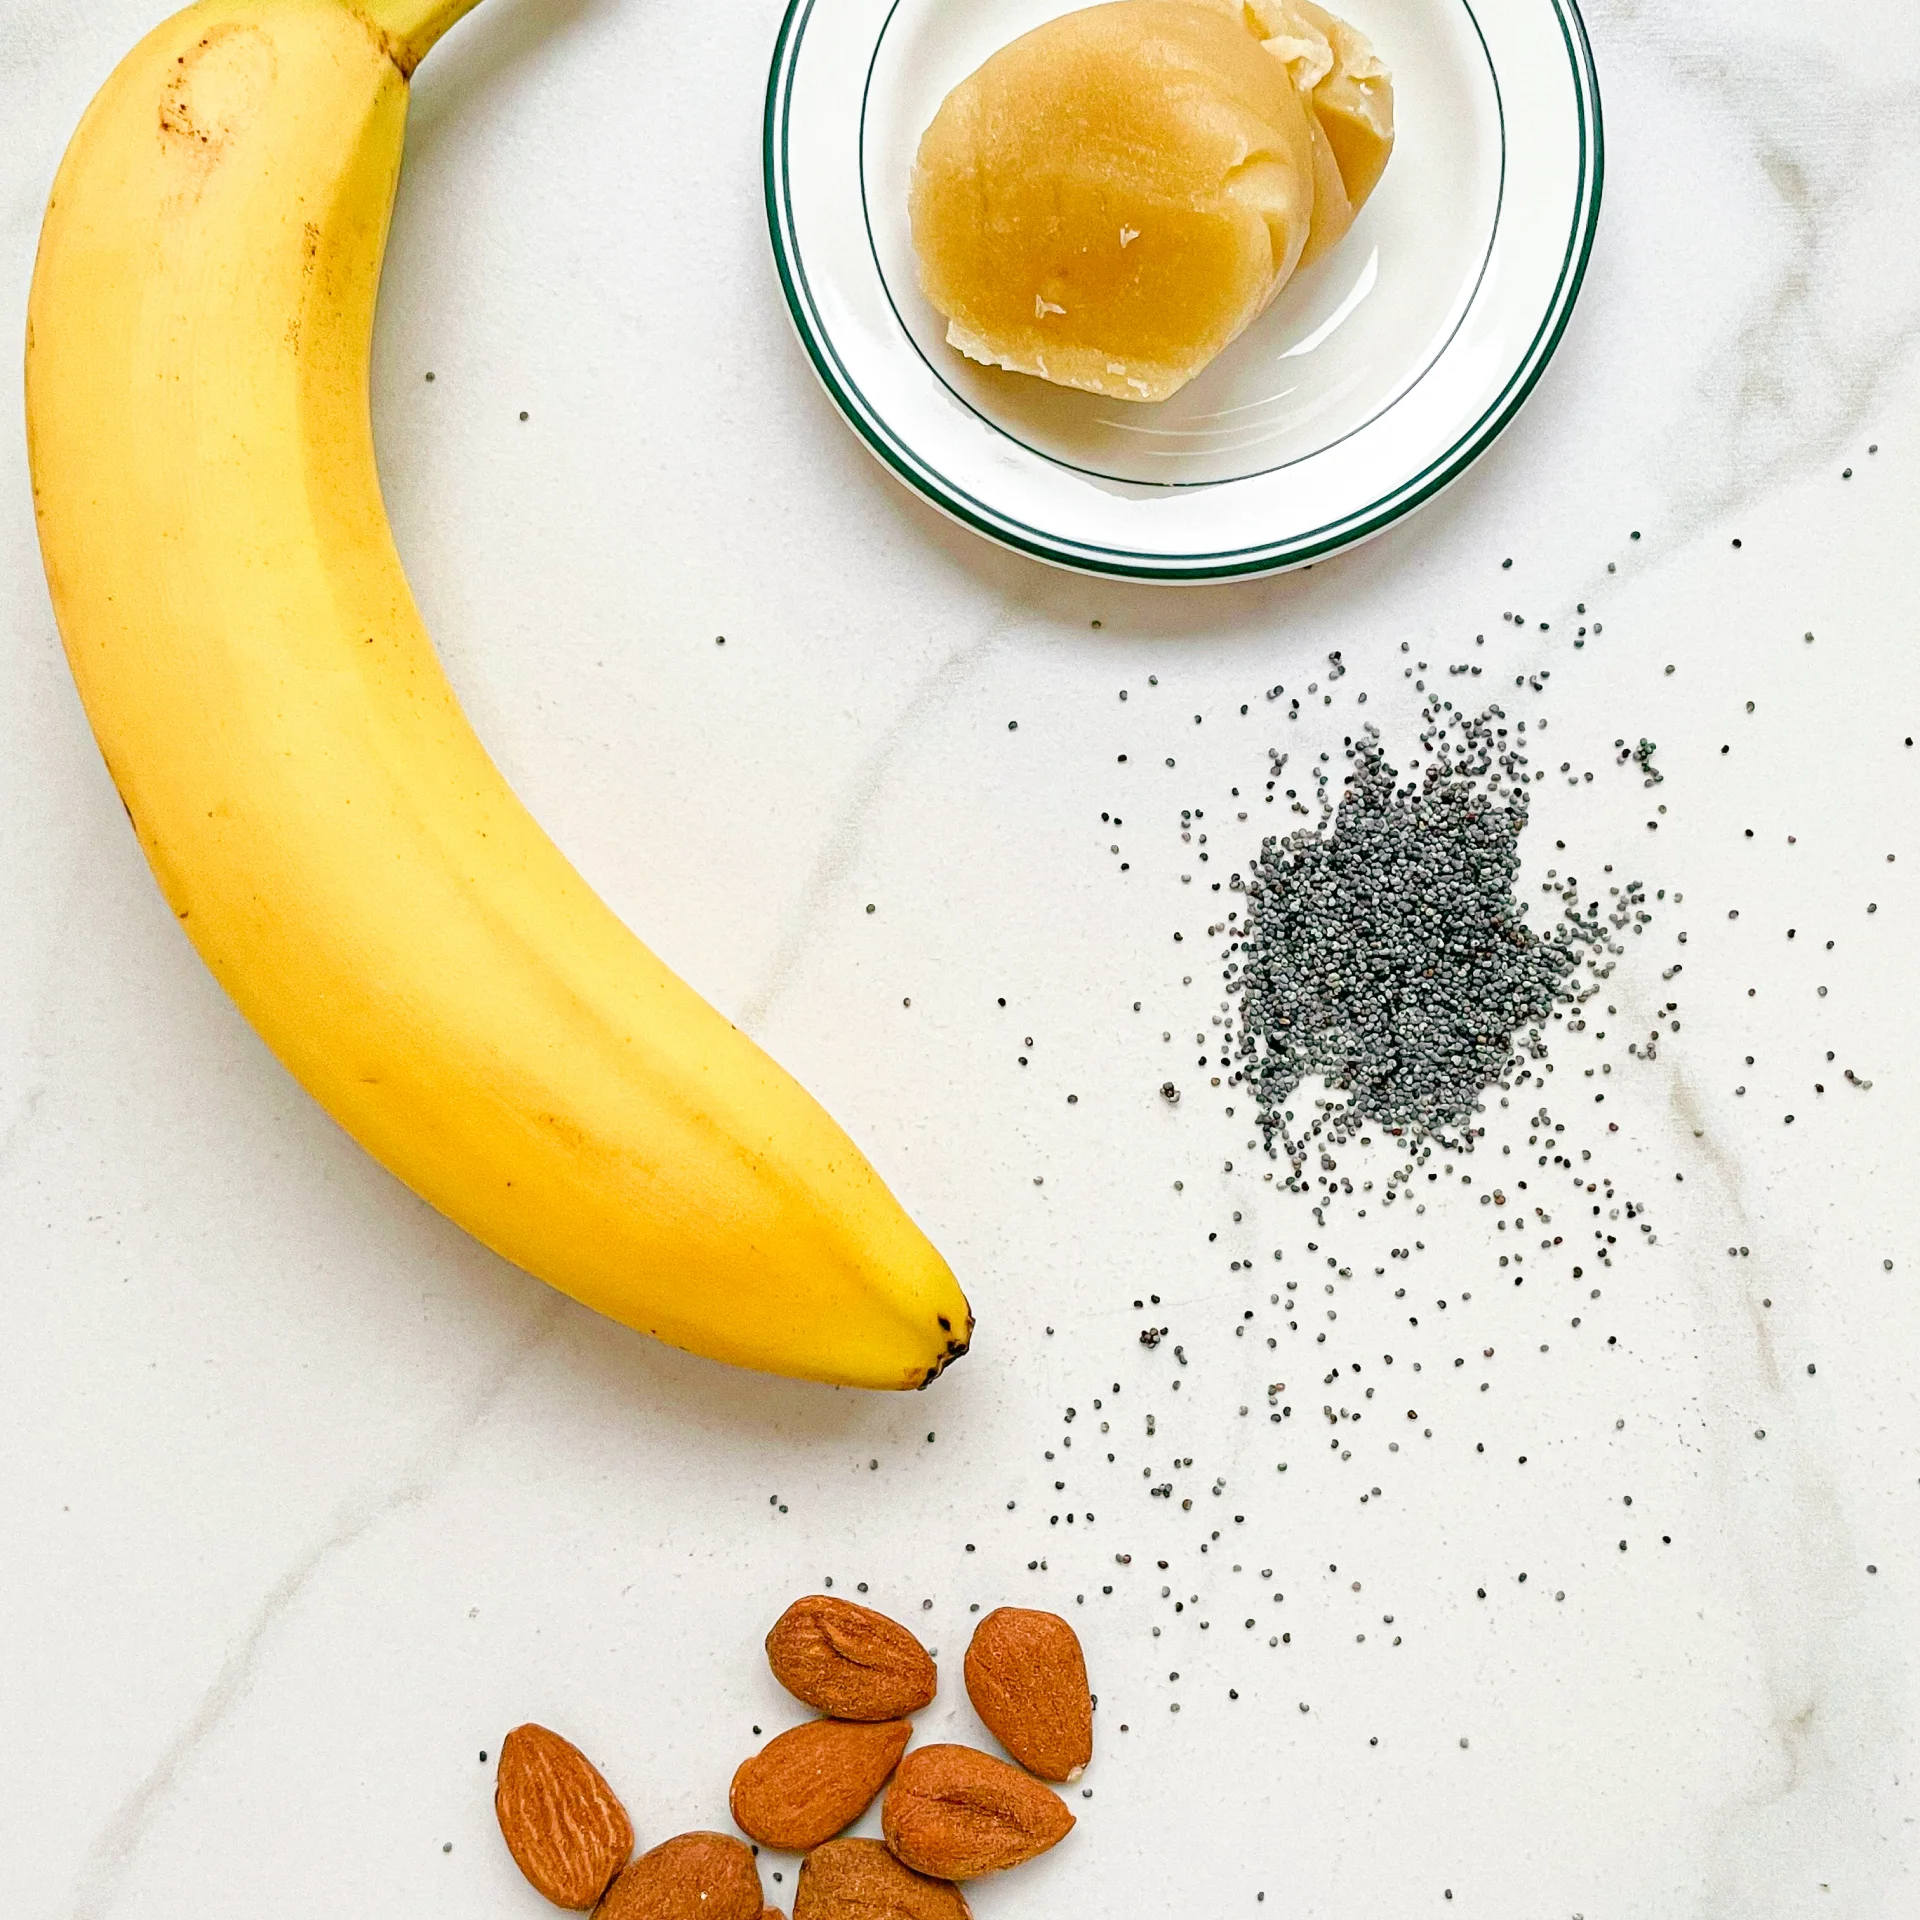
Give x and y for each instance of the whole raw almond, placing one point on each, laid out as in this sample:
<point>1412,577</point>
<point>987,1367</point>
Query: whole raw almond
<point>811,1782</point>
<point>861,1880</point>
<point>1027,1679</point>
<point>564,1826</point>
<point>956,1813</point>
<point>849,1661</point>
<point>694,1876</point>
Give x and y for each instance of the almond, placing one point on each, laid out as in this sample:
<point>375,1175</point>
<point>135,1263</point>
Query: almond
<point>564,1826</point>
<point>849,1661</point>
<point>695,1876</point>
<point>956,1813</point>
<point>861,1880</point>
<point>1027,1679</point>
<point>811,1782</point>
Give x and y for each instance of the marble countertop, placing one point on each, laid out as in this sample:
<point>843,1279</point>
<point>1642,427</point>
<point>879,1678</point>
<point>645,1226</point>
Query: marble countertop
<point>306,1498</point>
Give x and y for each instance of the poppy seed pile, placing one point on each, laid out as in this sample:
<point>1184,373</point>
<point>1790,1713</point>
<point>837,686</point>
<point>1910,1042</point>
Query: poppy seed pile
<point>1484,1239</point>
<point>1389,955</point>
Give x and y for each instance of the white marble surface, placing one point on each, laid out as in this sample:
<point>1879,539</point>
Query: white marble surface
<point>306,1498</point>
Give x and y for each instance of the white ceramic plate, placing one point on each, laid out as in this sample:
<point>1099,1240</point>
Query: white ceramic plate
<point>1376,378</point>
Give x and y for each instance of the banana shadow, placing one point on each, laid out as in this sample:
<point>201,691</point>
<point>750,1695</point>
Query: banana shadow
<point>654,1388</point>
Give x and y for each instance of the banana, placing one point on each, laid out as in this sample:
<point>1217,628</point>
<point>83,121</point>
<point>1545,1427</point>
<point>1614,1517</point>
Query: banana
<point>323,821</point>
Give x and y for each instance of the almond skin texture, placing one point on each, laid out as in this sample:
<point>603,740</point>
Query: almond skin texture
<point>861,1880</point>
<point>562,1823</point>
<point>849,1661</point>
<point>1027,1679</point>
<point>812,1782</point>
<point>956,1813</point>
<point>695,1876</point>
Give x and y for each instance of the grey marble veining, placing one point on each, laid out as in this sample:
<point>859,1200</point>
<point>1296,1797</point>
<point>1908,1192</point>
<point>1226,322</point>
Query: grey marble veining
<point>307,1498</point>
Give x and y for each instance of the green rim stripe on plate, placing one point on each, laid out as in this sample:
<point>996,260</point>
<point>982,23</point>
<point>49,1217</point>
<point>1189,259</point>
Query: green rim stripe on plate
<point>1239,562</point>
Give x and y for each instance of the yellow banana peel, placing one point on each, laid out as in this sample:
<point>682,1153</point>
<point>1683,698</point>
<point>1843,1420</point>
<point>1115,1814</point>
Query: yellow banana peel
<point>319,814</point>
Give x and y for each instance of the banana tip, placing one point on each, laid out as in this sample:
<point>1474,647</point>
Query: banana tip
<point>956,1346</point>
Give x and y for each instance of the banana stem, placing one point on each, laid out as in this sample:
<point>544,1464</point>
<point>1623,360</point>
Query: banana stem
<point>412,26</point>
